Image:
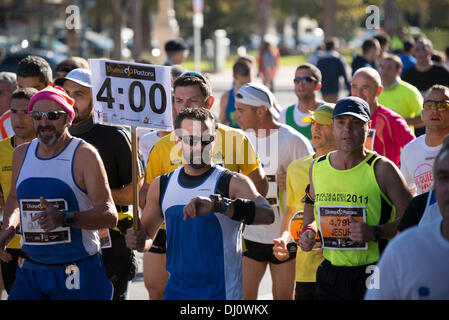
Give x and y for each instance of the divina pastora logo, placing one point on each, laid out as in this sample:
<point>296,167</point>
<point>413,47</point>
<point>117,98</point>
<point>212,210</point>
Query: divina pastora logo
<point>127,71</point>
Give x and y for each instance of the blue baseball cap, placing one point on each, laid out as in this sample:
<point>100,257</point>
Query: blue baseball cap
<point>353,106</point>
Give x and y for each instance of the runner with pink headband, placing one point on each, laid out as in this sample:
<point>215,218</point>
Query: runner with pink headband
<point>56,94</point>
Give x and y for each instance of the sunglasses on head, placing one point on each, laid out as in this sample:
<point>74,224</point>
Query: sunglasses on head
<point>50,115</point>
<point>194,75</point>
<point>441,105</point>
<point>304,79</point>
<point>193,140</point>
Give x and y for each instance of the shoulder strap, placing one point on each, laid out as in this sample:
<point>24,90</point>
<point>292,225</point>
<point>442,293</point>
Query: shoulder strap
<point>163,181</point>
<point>223,183</point>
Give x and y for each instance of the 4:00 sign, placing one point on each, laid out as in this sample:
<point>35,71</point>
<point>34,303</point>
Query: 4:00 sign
<point>105,95</point>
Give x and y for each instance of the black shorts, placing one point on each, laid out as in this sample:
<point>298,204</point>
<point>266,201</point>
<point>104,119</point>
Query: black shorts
<point>159,243</point>
<point>264,252</point>
<point>340,283</point>
<point>9,268</point>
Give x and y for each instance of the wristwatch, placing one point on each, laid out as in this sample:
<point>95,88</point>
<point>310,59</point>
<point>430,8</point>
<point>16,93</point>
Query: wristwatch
<point>68,218</point>
<point>216,199</point>
<point>377,233</point>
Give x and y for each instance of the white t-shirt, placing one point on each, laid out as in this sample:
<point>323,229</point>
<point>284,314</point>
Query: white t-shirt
<point>297,116</point>
<point>417,164</point>
<point>276,151</point>
<point>414,266</point>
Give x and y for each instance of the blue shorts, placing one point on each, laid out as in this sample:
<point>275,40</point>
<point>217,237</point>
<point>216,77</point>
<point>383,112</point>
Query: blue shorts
<point>84,280</point>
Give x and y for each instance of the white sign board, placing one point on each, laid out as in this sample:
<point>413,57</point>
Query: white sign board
<point>131,94</point>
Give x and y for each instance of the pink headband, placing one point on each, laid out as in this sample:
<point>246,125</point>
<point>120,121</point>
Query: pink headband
<point>56,94</point>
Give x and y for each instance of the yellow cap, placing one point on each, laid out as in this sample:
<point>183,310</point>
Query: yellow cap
<point>322,115</point>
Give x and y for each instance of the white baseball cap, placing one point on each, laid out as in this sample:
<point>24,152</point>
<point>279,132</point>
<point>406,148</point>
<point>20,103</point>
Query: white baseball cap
<point>256,94</point>
<point>80,76</point>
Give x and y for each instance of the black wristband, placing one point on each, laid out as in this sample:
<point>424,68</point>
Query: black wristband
<point>307,198</point>
<point>244,210</point>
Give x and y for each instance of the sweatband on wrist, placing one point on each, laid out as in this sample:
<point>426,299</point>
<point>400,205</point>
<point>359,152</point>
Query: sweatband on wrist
<point>244,210</point>
<point>309,228</point>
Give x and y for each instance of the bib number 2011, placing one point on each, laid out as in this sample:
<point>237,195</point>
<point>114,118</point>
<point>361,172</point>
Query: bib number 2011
<point>135,88</point>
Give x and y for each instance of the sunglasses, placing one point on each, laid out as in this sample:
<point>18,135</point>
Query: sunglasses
<point>442,105</point>
<point>194,75</point>
<point>193,140</point>
<point>50,115</point>
<point>304,79</point>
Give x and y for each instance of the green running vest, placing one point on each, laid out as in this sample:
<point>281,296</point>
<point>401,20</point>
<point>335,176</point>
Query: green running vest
<point>354,190</point>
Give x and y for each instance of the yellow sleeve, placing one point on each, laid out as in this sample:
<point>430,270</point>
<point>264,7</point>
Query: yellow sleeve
<point>251,160</point>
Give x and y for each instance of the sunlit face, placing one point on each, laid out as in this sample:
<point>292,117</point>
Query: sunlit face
<point>31,82</point>
<point>197,140</point>
<point>365,87</point>
<point>20,120</point>
<point>435,119</point>
<point>189,97</point>
<point>49,131</point>
<point>83,100</point>
<point>422,52</point>
<point>246,116</point>
<point>389,71</point>
<point>322,136</point>
<point>349,132</point>
<point>305,90</point>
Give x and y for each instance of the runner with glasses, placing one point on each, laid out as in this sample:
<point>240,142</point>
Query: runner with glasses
<point>232,150</point>
<point>203,226</point>
<point>307,82</point>
<point>418,156</point>
<point>61,197</point>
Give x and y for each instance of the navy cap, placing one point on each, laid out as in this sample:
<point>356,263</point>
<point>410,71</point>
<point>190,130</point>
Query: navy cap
<point>353,106</point>
<point>175,45</point>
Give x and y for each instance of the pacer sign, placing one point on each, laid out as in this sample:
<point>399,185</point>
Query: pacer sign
<point>131,94</point>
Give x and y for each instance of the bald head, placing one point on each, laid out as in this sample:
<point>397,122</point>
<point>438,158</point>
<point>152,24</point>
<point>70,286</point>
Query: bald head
<point>367,84</point>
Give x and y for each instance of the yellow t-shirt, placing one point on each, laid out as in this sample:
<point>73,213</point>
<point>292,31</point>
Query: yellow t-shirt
<point>6,151</point>
<point>232,150</point>
<point>297,181</point>
<point>404,98</point>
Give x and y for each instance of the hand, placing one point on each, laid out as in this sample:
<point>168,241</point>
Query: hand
<point>135,239</point>
<point>281,179</point>
<point>198,206</point>
<point>280,249</point>
<point>360,232</point>
<point>6,236</point>
<point>50,219</point>
<point>307,240</point>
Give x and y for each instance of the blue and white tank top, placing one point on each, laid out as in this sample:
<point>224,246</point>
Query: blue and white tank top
<point>204,254</point>
<point>53,179</point>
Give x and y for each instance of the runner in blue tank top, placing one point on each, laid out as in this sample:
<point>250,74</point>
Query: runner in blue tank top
<point>203,226</point>
<point>61,197</point>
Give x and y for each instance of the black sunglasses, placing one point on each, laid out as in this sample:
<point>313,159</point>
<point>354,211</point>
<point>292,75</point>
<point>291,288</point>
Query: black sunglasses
<point>193,140</point>
<point>304,79</point>
<point>50,115</point>
<point>194,75</point>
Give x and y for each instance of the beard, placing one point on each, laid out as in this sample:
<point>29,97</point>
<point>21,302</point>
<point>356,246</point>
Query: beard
<point>198,160</point>
<point>48,140</point>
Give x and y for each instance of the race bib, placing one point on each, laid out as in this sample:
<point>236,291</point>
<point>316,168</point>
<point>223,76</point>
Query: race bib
<point>296,225</point>
<point>369,142</point>
<point>105,239</point>
<point>334,226</point>
<point>273,190</point>
<point>32,232</point>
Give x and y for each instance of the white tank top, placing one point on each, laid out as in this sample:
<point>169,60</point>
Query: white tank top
<point>53,179</point>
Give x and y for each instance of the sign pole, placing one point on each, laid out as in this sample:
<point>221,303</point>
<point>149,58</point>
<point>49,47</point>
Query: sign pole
<point>135,160</point>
